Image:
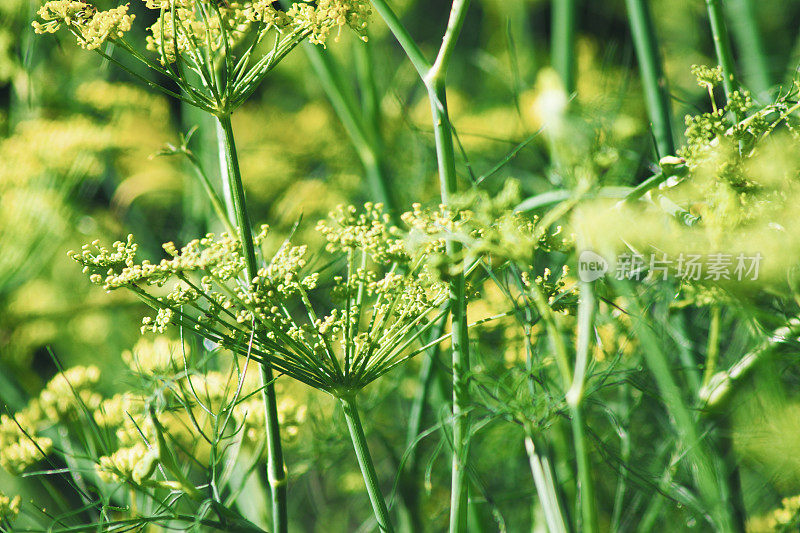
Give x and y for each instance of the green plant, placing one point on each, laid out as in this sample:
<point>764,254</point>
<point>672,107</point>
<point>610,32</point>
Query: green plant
<point>560,332</point>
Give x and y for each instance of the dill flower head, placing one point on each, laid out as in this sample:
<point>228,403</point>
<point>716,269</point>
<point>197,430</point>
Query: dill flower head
<point>707,77</point>
<point>488,226</point>
<point>185,26</point>
<point>206,36</point>
<point>372,309</point>
<point>91,27</point>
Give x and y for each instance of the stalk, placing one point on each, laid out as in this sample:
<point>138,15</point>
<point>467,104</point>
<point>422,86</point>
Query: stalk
<point>562,44</point>
<point>437,93</point>
<point>434,77</point>
<point>750,45</point>
<point>722,45</point>
<point>545,486</point>
<point>652,74</point>
<point>575,395</point>
<point>365,463</point>
<point>236,204</point>
<point>227,191</point>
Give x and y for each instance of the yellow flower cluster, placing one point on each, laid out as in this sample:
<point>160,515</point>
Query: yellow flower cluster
<point>91,27</point>
<point>384,283</point>
<point>264,11</point>
<point>488,226</point>
<point>17,450</point>
<point>9,507</point>
<point>218,263</point>
<point>188,404</point>
<point>322,19</point>
<point>58,400</point>
<point>136,463</point>
<point>369,230</point>
<point>192,27</point>
<point>114,411</point>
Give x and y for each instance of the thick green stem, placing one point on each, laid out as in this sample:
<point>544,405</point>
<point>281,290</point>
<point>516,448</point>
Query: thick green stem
<point>276,471</point>
<point>460,352</point>
<point>750,46</point>
<point>562,45</point>
<point>365,463</point>
<point>722,45</point>
<point>227,192</point>
<point>236,204</point>
<point>653,80</point>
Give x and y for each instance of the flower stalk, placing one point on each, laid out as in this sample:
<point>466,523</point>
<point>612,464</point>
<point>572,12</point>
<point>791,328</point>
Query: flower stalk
<point>652,74</point>
<point>365,462</point>
<point>234,188</point>
<point>722,45</point>
<point>563,42</point>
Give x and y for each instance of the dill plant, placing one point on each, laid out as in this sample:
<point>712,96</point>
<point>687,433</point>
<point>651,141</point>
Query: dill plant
<point>193,43</point>
<point>581,364</point>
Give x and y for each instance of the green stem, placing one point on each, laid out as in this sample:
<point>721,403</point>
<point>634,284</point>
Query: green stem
<point>410,47</point>
<point>460,352</point>
<point>434,77</point>
<point>722,45</point>
<point>722,385</point>
<point>725,440</point>
<point>276,471</point>
<point>365,463</point>
<point>227,191</point>
<point>235,200</point>
<point>712,353</point>
<point>653,79</point>
<point>562,43</point>
<point>586,309</point>
<point>750,45</point>
<point>545,485</point>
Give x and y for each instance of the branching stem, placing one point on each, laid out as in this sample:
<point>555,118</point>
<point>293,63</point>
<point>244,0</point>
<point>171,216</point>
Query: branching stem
<point>237,205</point>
